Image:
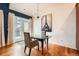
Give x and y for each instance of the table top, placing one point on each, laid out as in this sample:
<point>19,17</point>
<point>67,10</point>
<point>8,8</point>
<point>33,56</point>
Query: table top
<point>38,37</point>
<point>41,38</point>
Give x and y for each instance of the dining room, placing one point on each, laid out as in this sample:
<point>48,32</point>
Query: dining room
<point>38,29</point>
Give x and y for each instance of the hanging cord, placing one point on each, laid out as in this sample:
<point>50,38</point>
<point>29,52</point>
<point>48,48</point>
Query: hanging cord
<point>37,10</point>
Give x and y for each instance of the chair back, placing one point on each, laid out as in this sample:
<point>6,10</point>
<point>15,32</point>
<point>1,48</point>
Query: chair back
<point>27,38</point>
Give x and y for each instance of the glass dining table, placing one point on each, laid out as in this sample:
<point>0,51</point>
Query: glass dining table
<point>42,40</point>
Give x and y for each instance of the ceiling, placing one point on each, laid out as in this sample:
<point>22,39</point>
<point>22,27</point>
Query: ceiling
<point>31,8</point>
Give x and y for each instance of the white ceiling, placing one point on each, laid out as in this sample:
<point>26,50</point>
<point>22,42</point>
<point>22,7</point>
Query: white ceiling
<point>31,8</point>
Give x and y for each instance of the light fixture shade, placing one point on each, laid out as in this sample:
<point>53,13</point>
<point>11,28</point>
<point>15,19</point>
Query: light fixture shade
<point>37,17</point>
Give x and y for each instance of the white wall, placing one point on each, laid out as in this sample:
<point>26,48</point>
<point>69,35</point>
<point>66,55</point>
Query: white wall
<point>64,26</point>
<point>63,23</point>
<point>37,27</point>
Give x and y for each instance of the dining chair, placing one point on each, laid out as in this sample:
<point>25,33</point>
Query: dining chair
<point>29,43</point>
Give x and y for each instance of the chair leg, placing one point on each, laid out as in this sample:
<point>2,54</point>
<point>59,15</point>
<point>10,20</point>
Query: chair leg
<point>38,47</point>
<point>45,42</point>
<point>25,48</point>
<point>29,51</point>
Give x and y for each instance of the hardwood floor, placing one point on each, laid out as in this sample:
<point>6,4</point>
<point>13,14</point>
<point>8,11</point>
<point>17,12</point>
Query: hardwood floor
<point>17,49</point>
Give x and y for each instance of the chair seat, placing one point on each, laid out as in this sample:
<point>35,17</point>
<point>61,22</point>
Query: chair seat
<point>34,43</point>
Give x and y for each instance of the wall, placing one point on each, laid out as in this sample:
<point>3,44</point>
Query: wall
<point>64,26</point>
<point>63,23</point>
<point>65,33</point>
<point>37,27</point>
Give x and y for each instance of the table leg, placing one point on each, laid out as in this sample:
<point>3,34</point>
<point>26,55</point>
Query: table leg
<point>47,43</point>
<point>42,47</point>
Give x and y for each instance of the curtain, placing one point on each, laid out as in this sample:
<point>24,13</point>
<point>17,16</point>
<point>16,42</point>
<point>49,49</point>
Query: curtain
<point>10,28</point>
<point>0,28</point>
<point>2,39</point>
<point>31,26</point>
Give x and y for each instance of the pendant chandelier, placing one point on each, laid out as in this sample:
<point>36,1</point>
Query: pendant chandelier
<point>38,11</point>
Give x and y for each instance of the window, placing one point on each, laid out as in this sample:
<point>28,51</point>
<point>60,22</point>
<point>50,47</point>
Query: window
<point>20,26</point>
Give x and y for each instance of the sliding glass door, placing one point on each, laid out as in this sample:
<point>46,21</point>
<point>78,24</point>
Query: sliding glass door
<point>20,26</point>
<point>17,29</point>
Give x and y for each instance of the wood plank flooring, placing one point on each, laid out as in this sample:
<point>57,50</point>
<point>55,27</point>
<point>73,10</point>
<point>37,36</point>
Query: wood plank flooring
<point>17,49</point>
